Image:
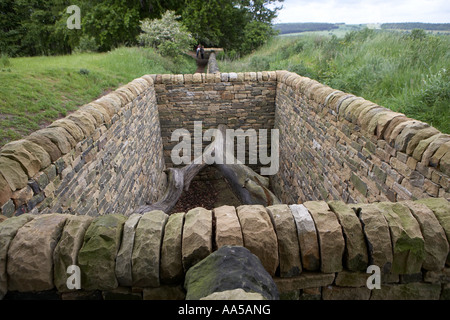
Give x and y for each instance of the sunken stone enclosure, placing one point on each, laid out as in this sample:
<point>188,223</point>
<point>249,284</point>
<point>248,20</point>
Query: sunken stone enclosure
<point>360,185</point>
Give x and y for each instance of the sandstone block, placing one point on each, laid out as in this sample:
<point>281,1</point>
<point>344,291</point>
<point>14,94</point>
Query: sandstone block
<point>13,173</point>
<point>259,235</point>
<point>5,191</point>
<point>8,230</point>
<point>441,209</point>
<point>50,147</point>
<point>307,237</point>
<point>59,137</point>
<point>197,236</point>
<point>124,256</point>
<point>420,135</point>
<point>30,255</point>
<point>342,293</point>
<point>228,229</point>
<point>440,152</point>
<point>66,251</point>
<point>82,120</point>
<point>409,291</point>
<point>147,248</point>
<point>288,247</point>
<point>164,293</point>
<point>377,234</point>
<point>422,146</point>
<point>356,256</point>
<point>436,244</point>
<point>331,238</point>
<point>433,147</point>
<point>303,281</point>
<point>171,264</point>
<point>406,135</point>
<point>70,127</point>
<point>32,156</point>
<point>97,256</point>
<point>407,239</point>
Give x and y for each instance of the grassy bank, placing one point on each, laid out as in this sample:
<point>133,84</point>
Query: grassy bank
<point>409,73</point>
<point>35,91</point>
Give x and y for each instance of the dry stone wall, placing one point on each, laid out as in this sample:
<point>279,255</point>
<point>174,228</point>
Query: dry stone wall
<point>105,157</point>
<point>238,100</point>
<point>147,256</point>
<point>334,145</point>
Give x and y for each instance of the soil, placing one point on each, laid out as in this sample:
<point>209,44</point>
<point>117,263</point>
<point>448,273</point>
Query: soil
<point>208,194</point>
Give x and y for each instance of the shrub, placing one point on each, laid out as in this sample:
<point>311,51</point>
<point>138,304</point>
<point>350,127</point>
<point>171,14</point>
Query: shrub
<point>167,35</point>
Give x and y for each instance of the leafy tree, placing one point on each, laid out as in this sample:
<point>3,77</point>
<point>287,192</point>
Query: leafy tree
<point>167,34</point>
<point>225,23</point>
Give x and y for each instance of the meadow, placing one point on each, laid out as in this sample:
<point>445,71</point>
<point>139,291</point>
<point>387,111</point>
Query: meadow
<point>405,72</point>
<point>35,91</point>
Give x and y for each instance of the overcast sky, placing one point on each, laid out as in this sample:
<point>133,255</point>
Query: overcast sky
<point>365,11</point>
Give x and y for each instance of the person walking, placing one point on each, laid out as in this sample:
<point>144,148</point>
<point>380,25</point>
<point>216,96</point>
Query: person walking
<point>202,52</point>
<point>198,49</point>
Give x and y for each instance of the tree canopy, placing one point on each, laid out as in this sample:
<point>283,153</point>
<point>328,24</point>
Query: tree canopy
<point>38,27</point>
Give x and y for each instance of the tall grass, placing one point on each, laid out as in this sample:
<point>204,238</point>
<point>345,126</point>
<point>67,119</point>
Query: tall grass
<point>34,91</point>
<point>408,73</point>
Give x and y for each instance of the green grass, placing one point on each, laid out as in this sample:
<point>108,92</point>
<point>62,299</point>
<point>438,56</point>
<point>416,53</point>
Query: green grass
<point>35,91</point>
<point>393,69</point>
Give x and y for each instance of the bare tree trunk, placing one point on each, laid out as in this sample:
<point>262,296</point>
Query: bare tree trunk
<point>247,185</point>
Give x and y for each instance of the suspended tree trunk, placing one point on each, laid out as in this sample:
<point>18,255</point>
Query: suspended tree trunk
<point>246,184</point>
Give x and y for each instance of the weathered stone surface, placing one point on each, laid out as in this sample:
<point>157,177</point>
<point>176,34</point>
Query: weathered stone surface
<point>228,268</point>
<point>27,152</point>
<point>235,294</point>
<point>444,164</point>
<point>70,127</point>
<point>331,239</point>
<point>13,173</point>
<point>66,251</point>
<point>356,254</point>
<point>441,209</point>
<point>440,152</point>
<point>259,235</point>
<point>376,231</point>
<point>305,280</point>
<point>419,136</point>
<point>46,144</point>
<point>8,230</point>
<point>124,256</point>
<point>351,279</point>
<point>432,148</point>
<point>407,239</point>
<point>410,130</point>
<point>342,293</point>
<point>5,191</point>
<point>121,293</point>
<point>288,247</point>
<point>30,255</point>
<point>164,293</point>
<point>228,229</point>
<point>59,137</point>
<point>423,145</point>
<point>171,263</point>
<point>82,120</point>
<point>147,248</point>
<point>436,245</point>
<point>97,256</point>
<point>307,237</point>
<point>197,236</point>
<point>409,291</point>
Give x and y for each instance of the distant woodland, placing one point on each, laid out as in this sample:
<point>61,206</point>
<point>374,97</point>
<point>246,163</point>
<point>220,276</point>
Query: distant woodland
<point>417,25</point>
